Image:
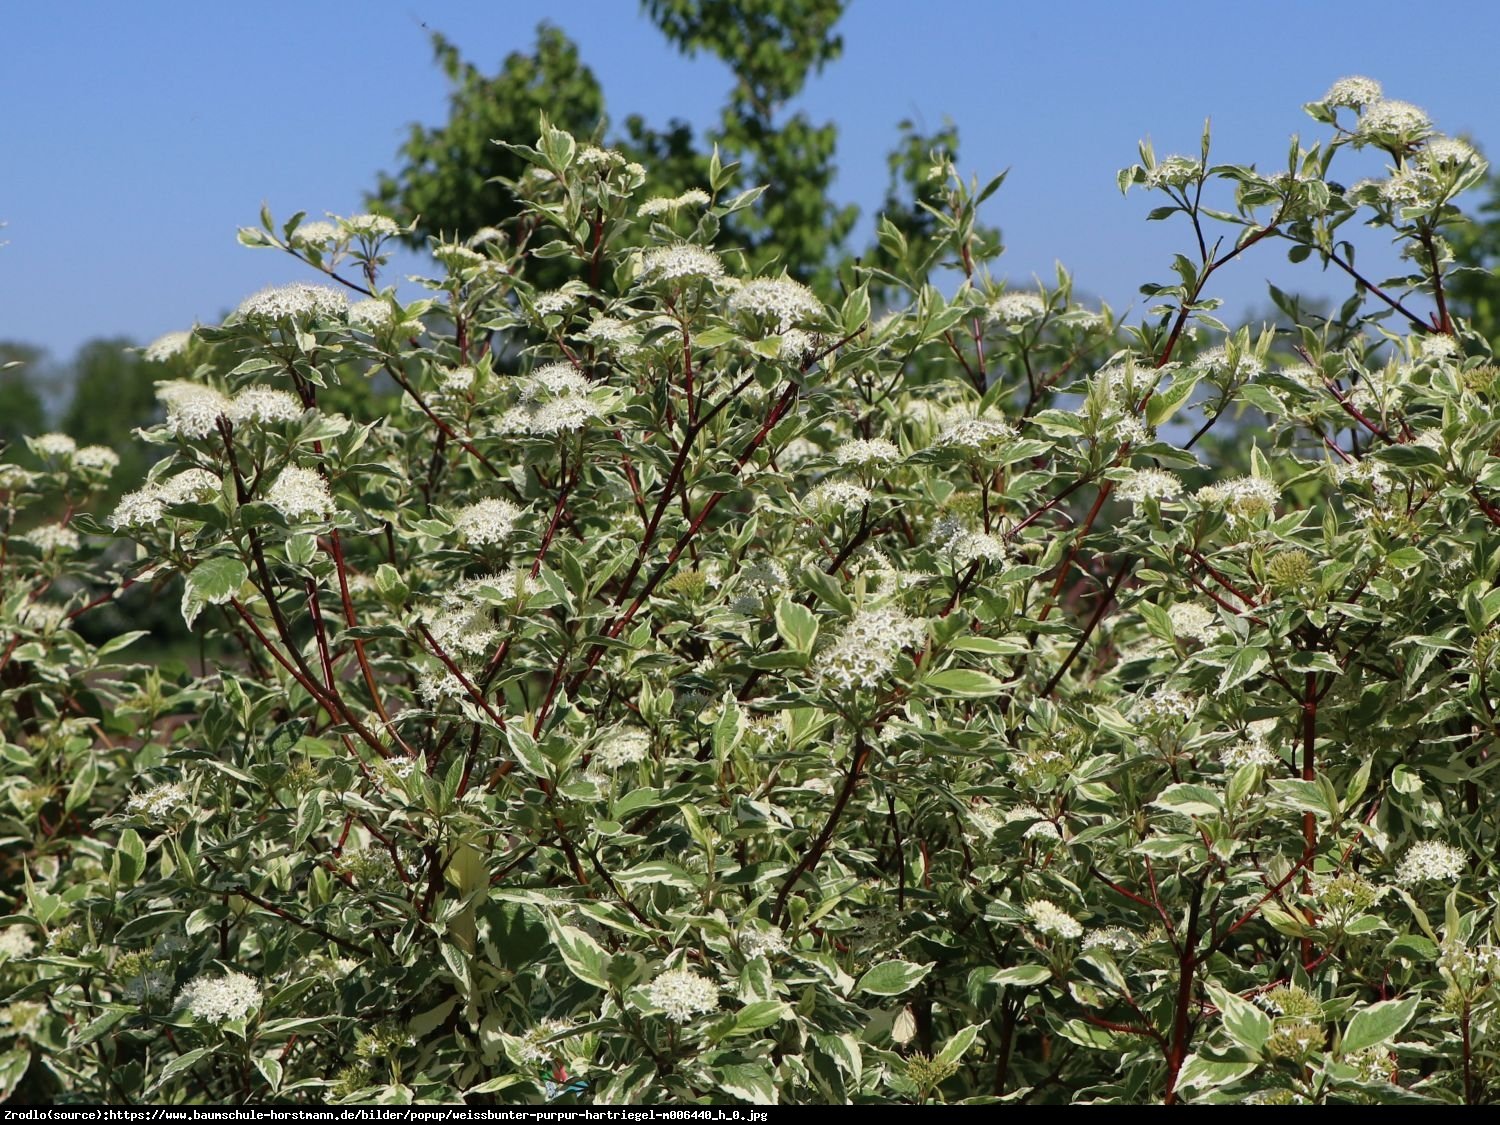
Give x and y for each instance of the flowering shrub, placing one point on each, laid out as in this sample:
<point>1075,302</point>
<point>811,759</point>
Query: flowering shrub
<point>696,692</point>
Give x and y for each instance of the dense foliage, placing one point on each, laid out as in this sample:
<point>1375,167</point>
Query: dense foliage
<point>752,699</point>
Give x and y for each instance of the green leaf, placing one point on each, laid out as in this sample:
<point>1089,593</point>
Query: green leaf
<point>1199,1073</point>
<point>582,955</point>
<point>1379,1023</point>
<point>797,625</point>
<point>211,582</point>
<point>964,683</point>
<point>1246,1024</point>
<point>1244,664</point>
<point>130,858</point>
<point>759,1015</point>
<point>1190,800</point>
<point>892,978</point>
<point>1020,976</point>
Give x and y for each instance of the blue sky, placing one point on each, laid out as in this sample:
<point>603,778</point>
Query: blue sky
<point>138,138</point>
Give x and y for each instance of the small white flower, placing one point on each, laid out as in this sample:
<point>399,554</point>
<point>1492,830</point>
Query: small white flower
<point>976,435</point>
<point>299,300</point>
<point>669,263</point>
<point>1430,861</point>
<point>1117,939</point>
<point>159,802</point>
<point>1164,704</point>
<point>371,227</point>
<point>1354,92</point>
<point>1149,484</point>
<point>670,205</point>
<point>165,347</point>
<point>1195,622</point>
<point>866,651</point>
<point>541,1043</point>
<point>1051,919</point>
<point>1040,828</point>
<point>193,410</point>
<point>614,335</point>
<point>622,747</point>
<point>682,993</point>
<point>1017,308</point>
<point>53,445</point>
<point>1243,498</point>
<point>784,303</point>
<point>99,458</point>
<point>1249,751</point>
<point>1450,151</point>
<point>16,942</point>
<point>762,943</point>
<point>488,521</point>
<point>1388,118</point>
<point>371,314</point>
<point>216,999</point>
<point>52,537</point>
<point>1173,171</point>
<point>315,233</point>
<point>866,452</point>
<point>592,156</point>
<point>263,404</point>
<point>299,492</point>
<point>835,497</point>
<point>153,984</point>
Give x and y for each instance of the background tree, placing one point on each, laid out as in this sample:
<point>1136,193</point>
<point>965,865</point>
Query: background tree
<point>21,408</point>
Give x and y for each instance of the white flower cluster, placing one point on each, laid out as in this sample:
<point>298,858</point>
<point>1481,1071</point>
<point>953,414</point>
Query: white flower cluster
<point>835,497</point>
<point>371,227</point>
<point>299,300</point>
<point>1164,705</point>
<point>315,233</point>
<point>865,453</point>
<point>1173,172</point>
<point>622,747</point>
<point>762,942</point>
<point>761,579</point>
<point>1450,151</point>
<point>99,458</point>
<point>554,400</point>
<point>371,314</point>
<point>684,260</point>
<point>193,410</point>
<point>160,801</point>
<point>1051,919</point>
<point>612,335</point>
<point>1016,308</point>
<point>299,493</point>
<point>513,583</point>
<point>975,435</point>
<point>216,999</point>
<point>540,1043</point>
<point>1117,939</point>
<point>1040,829</point>
<point>670,205</point>
<point>1243,498</point>
<point>1149,483</point>
<point>53,445</point>
<point>263,404</point>
<point>42,617</point>
<point>682,993</point>
<point>145,507</point>
<point>50,537</point>
<point>964,546</point>
<point>463,627</point>
<point>165,347</point>
<point>1194,622</point>
<point>16,941</point>
<point>1431,861</point>
<point>1249,751</point>
<point>866,650</point>
<point>1388,119</point>
<point>1354,92</point>
<point>487,522</point>
<point>785,304</point>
